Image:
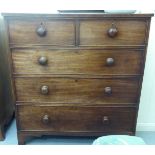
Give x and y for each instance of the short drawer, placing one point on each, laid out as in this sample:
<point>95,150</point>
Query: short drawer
<point>112,32</point>
<point>54,32</point>
<point>77,90</point>
<point>95,62</point>
<point>76,119</point>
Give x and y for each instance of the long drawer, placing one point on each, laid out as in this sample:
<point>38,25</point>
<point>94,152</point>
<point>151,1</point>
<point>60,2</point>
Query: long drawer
<point>112,32</point>
<point>98,62</point>
<point>77,90</point>
<point>76,119</point>
<point>54,32</point>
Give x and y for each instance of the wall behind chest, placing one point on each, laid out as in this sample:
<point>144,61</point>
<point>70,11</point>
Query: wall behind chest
<point>146,121</point>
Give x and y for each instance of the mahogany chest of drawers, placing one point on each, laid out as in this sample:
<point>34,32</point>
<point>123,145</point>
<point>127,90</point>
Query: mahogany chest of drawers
<point>77,74</point>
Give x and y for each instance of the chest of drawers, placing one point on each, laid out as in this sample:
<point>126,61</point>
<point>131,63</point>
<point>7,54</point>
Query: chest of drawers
<point>77,74</point>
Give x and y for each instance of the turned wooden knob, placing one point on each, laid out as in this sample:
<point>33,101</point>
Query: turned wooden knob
<point>45,119</point>
<point>43,61</point>
<point>41,30</point>
<point>110,61</point>
<point>112,32</point>
<point>44,90</point>
<point>105,120</point>
<point>108,90</point>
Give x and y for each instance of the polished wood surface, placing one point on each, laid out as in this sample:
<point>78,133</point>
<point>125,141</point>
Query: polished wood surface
<point>6,94</point>
<point>77,74</point>
<point>2,111</point>
<point>58,32</point>
<point>77,61</point>
<point>78,16</point>
<point>76,119</point>
<point>130,32</point>
<point>70,90</point>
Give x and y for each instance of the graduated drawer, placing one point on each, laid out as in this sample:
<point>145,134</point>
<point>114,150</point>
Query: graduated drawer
<point>53,32</point>
<point>99,62</point>
<point>77,90</point>
<point>76,119</point>
<point>112,32</point>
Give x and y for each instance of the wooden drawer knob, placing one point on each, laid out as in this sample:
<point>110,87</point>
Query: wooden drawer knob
<point>43,61</point>
<point>108,90</point>
<point>105,120</point>
<point>110,61</point>
<point>112,32</point>
<point>44,90</point>
<point>45,119</point>
<point>41,30</point>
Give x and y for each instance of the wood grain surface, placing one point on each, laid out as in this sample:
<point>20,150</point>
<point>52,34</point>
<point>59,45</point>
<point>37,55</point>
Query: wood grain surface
<point>76,119</point>
<point>72,90</point>
<point>130,32</point>
<point>78,62</point>
<point>58,32</point>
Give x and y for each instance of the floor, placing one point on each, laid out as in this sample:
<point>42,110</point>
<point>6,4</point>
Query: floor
<point>11,138</point>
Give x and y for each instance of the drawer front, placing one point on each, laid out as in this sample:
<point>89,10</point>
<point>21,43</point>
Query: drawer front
<point>97,62</point>
<point>55,32</point>
<point>76,119</point>
<point>74,90</point>
<point>121,32</point>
